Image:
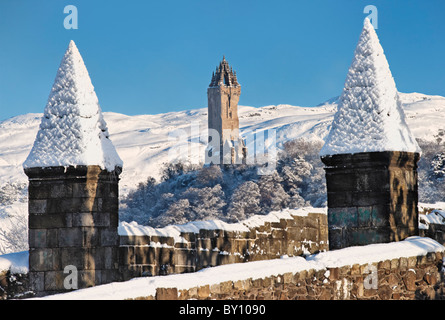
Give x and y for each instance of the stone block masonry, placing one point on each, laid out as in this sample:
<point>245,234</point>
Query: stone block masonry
<point>404,278</point>
<point>73,220</point>
<point>404,270</point>
<point>372,197</point>
<point>223,95</point>
<point>295,235</point>
<point>413,278</point>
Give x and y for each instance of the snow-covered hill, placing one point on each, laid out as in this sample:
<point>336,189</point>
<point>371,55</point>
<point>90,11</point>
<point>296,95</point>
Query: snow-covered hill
<point>143,141</point>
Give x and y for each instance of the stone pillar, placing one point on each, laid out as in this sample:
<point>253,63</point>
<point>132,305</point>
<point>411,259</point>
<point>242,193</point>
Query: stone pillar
<point>372,197</point>
<point>73,220</point>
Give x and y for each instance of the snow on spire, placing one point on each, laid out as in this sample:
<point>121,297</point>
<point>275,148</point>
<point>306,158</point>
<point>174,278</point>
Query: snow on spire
<point>370,117</point>
<point>73,131</point>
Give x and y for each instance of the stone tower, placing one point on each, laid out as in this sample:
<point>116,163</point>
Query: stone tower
<point>225,145</point>
<point>73,170</point>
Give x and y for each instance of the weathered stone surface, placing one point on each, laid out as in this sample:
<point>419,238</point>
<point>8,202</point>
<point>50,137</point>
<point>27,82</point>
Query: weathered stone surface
<point>36,207</point>
<point>69,226</point>
<point>295,236</point>
<point>204,292</point>
<point>347,282</point>
<point>372,197</point>
<point>54,280</point>
<point>44,259</point>
<point>410,280</point>
<point>108,236</point>
<point>185,257</point>
<point>223,96</point>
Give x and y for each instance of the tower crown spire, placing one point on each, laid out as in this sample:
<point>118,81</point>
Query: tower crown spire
<point>224,75</point>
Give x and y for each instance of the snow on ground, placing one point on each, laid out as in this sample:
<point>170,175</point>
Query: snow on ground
<point>431,214</point>
<point>137,287</point>
<point>141,287</point>
<point>429,206</point>
<point>434,217</point>
<point>275,216</point>
<point>410,247</point>
<point>174,231</point>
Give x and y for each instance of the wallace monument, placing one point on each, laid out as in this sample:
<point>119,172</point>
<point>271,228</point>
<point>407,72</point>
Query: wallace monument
<point>225,145</point>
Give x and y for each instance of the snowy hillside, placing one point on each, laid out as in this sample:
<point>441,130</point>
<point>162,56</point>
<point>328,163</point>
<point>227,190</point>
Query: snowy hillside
<point>144,144</point>
<point>143,141</point>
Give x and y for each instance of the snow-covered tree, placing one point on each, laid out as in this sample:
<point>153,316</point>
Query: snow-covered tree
<point>302,172</point>
<point>209,176</point>
<point>231,193</point>
<point>431,172</point>
<point>306,149</point>
<point>295,181</point>
<point>295,172</point>
<point>138,204</point>
<point>177,213</point>
<point>14,238</point>
<point>11,192</point>
<point>438,166</point>
<point>273,195</point>
<point>205,203</point>
<point>176,169</point>
<point>245,202</point>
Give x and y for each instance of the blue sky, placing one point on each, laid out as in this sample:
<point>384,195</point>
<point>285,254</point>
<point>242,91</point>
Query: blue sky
<point>148,57</point>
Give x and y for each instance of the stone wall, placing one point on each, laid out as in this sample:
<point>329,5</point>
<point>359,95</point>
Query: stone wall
<point>418,277</point>
<point>372,197</point>
<point>432,223</point>
<point>156,255</point>
<point>73,219</point>
<point>435,231</point>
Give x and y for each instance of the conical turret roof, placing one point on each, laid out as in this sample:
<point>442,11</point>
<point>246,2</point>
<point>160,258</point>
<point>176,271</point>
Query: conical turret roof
<point>370,117</point>
<point>73,131</point>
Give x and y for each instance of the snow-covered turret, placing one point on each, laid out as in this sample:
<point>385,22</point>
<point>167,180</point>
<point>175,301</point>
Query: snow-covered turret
<point>370,156</point>
<point>73,170</point>
<point>370,117</point>
<point>73,131</point>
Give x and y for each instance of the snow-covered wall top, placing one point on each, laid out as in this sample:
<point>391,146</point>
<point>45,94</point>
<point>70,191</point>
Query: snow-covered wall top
<point>174,231</point>
<point>370,117</point>
<point>73,131</point>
